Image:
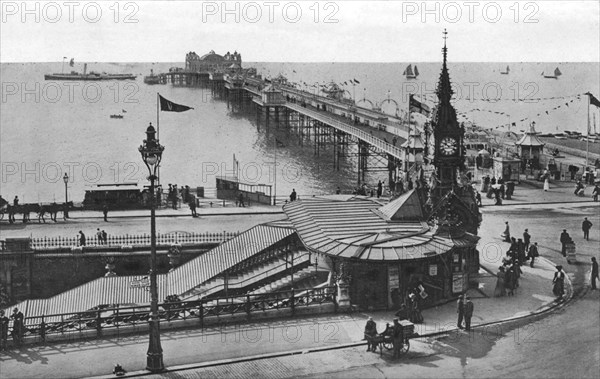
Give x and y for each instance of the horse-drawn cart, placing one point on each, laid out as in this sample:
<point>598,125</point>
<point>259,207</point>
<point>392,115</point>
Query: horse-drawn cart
<point>386,339</point>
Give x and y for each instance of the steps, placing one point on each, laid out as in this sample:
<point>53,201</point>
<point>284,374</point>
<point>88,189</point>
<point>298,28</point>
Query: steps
<point>261,272</point>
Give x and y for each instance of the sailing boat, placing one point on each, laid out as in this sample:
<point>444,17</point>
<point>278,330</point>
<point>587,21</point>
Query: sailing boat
<point>408,72</point>
<point>548,74</point>
<point>505,72</point>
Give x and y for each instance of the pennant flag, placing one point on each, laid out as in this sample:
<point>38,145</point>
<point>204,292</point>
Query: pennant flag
<point>64,57</point>
<point>567,104</point>
<point>294,71</point>
<point>72,62</point>
<point>418,107</point>
<point>356,81</point>
<point>593,100</point>
<point>169,106</point>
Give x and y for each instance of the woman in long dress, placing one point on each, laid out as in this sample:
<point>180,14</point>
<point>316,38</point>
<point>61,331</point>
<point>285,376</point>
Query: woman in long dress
<point>559,282</point>
<point>500,291</point>
<point>509,281</point>
<point>546,183</point>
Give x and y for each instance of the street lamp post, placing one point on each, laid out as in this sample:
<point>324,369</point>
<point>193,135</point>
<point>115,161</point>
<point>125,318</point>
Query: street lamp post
<point>66,210</point>
<point>151,152</point>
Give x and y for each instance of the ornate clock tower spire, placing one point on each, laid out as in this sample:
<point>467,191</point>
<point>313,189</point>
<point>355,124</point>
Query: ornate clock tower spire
<point>452,199</point>
<point>447,144</point>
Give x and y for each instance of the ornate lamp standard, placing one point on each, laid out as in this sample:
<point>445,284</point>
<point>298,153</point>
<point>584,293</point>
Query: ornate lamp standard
<point>66,211</point>
<point>151,152</point>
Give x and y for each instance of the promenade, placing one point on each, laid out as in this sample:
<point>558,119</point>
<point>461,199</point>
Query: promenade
<point>320,345</point>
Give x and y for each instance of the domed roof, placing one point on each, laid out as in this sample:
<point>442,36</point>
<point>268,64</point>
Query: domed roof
<point>211,56</point>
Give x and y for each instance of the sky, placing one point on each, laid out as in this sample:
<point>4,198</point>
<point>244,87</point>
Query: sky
<point>300,31</point>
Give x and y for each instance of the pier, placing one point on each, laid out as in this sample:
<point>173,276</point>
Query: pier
<point>370,136</point>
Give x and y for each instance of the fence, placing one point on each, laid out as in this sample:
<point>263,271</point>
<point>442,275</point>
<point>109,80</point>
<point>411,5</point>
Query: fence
<point>133,239</point>
<point>105,320</point>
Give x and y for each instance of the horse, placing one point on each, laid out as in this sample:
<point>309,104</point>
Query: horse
<point>53,209</point>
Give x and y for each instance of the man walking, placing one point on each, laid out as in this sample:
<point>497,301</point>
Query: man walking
<point>460,309</point>
<point>564,239</point>
<point>533,253</point>
<point>81,238</point>
<point>3,330</point>
<point>594,273</point>
<point>105,212</point>
<point>468,312</point>
<point>586,226</point>
<point>526,239</point>
<point>506,233</point>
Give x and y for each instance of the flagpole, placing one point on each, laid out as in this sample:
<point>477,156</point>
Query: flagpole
<point>158,137</point>
<point>587,143</point>
<point>157,116</point>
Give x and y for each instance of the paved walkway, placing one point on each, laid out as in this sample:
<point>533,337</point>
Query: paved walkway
<point>185,348</point>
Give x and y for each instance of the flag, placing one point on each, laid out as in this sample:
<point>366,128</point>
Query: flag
<point>169,106</point>
<point>593,100</point>
<point>418,107</point>
<point>356,81</point>
<point>72,62</point>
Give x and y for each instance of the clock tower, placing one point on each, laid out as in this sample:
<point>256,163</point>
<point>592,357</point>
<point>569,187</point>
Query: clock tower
<point>452,199</point>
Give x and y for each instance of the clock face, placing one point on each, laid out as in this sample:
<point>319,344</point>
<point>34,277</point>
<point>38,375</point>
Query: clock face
<point>448,146</point>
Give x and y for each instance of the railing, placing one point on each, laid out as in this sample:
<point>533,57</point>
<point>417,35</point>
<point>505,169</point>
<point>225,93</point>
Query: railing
<point>95,322</point>
<point>2,245</point>
<point>41,243</point>
<point>356,132</point>
<point>245,280</point>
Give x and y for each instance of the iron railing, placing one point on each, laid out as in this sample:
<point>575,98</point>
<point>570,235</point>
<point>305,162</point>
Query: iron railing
<point>96,322</point>
<point>40,243</point>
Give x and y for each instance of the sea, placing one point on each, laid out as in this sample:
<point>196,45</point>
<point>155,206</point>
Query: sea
<point>48,128</point>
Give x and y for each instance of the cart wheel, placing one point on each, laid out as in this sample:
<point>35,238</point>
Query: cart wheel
<point>389,345</point>
<point>405,347</point>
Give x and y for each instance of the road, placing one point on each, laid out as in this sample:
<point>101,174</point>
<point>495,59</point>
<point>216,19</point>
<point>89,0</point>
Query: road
<point>137,225</point>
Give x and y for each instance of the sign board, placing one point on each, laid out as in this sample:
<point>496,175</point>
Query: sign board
<point>393,277</point>
<point>433,269</point>
<point>143,282</point>
<point>458,282</point>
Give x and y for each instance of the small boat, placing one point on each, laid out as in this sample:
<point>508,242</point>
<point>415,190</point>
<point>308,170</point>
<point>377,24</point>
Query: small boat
<point>549,74</point>
<point>505,72</point>
<point>409,73</point>
<point>560,136</point>
<point>116,116</point>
